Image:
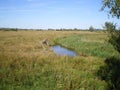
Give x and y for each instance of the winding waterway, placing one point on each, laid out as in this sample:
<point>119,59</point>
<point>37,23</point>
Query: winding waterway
<point>59,50</point>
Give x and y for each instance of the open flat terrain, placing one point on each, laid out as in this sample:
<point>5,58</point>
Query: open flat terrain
<point>27,65</point>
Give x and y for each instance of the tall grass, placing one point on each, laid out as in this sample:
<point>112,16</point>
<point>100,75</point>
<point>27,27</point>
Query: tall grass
<point>26,65</point>
<point>89,44</point>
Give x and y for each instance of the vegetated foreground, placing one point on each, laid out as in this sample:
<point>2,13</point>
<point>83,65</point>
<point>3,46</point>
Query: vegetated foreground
<point>26,65</point>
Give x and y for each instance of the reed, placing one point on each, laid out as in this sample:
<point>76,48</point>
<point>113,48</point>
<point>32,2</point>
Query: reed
<point>26,65</point>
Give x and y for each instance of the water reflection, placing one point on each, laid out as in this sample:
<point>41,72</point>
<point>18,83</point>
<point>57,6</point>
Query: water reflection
<point>59,50</point>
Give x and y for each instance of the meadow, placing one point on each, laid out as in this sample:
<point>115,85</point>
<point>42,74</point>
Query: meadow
<point>26,65</point>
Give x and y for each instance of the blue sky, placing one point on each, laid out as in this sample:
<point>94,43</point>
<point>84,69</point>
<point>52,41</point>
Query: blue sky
<point>53,14</point>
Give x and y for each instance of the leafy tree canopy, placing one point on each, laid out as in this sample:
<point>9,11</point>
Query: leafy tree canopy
<point>113,6</point>
<point>109,26</point>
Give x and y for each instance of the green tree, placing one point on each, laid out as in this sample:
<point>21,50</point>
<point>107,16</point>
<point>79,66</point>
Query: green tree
<point>114,9</point>
<point>110,27</point>
<point>113,6</point>
<point>110,71</point>
<point>114,35</point>
<point>91,28</point>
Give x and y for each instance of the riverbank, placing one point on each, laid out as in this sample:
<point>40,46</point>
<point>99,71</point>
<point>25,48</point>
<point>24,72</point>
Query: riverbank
<point>25,64</point>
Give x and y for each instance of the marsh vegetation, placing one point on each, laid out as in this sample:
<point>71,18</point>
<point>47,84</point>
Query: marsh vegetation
<point>25,64</point>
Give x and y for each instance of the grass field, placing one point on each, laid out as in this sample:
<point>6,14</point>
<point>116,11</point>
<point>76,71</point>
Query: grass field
<point>26,65</point>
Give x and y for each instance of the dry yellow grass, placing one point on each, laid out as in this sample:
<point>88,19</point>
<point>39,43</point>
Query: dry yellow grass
<point>25,64</point>
<point>30,41</point>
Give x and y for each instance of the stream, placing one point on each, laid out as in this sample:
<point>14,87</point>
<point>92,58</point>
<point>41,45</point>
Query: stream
<point>62,51</point>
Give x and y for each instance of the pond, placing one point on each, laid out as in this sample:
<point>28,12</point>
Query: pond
<point>59,50</point>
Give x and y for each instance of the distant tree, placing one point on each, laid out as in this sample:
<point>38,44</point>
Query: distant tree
<point>114,35</point>
<point>75,29</point>
<point>113,6</point>
<point>91,28</point>
<point>109,26</point>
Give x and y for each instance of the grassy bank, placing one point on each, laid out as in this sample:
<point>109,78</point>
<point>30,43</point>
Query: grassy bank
<point>26,65</point>
<point>89,44</point>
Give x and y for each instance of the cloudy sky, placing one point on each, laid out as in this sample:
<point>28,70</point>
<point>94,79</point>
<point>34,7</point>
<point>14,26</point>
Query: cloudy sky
<point>53,14</point>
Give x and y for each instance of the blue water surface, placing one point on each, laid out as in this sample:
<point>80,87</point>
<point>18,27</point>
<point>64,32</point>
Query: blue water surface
<point>59,50</point>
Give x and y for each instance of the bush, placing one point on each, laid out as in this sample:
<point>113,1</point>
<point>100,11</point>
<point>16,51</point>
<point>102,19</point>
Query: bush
<point>110,72</point>
<point>114,35</point>
<point>115,40</point>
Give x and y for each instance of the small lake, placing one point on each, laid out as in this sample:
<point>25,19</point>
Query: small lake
<point>59,50</point>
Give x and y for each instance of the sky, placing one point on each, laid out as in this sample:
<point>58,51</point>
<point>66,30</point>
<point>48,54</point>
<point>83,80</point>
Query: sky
<point>44,14</point>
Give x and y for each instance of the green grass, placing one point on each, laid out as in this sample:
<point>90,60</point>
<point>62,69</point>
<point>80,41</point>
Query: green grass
<point>26,65</point>
<point>88,44</point>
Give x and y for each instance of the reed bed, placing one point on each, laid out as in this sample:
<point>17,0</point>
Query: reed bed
<point>26,65</point>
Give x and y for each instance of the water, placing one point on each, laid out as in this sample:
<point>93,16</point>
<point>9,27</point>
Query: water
<point>59,50</point>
